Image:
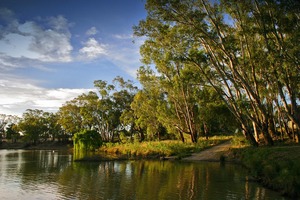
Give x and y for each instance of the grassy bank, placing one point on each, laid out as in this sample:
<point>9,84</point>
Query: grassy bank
<point>276,167</point>
<point>159,149</point>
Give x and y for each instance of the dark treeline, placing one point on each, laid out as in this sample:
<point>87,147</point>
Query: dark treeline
<point>208,69</point>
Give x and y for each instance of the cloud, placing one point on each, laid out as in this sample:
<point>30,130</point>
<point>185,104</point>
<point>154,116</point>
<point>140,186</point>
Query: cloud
<point>51,46</point>
<point>18,94</point>
<point>123,36</point>
<point>6,15</point>
<point>92,49</point>
<point>125,53</point>
<point>60,24</point>
<point>92,31</point>
<point>49,42</point>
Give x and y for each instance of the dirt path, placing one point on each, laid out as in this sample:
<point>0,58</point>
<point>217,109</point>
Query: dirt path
<point>212,154</point>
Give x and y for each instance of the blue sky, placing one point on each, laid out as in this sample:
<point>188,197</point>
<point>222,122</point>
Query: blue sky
<point>52,50</point>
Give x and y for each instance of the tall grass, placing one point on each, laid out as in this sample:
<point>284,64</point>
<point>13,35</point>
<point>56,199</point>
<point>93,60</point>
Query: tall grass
<point>160,148</point>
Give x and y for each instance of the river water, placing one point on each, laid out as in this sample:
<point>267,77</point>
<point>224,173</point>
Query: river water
<point>53,175</point>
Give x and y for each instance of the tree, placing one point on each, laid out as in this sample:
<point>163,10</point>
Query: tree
<point>33,125</point>
<point>244,49</point>
<point>69,118</point>
<point>12,132</point>
<point>87,140</point>
<point>54,129</point>
<point>214,115</point>
<point>114,105</point>
<point>5,122</point>
<point>145,106</point>
<point>100,113</point>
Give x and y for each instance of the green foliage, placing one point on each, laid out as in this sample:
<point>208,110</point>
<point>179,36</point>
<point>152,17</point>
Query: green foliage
<point>108,114</point>
<point>244,50</point>
<point>238,140</point>
<point>277,167</point>
<point>34,125</point>
<point>154,149</point>
<point>87,140</point>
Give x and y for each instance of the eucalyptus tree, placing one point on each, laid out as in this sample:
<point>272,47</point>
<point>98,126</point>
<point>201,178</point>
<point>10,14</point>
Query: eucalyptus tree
<point>179,80</point>
<point>173,97</point>
<point>108,115</point>
<point>181,87</point>
<point>244,49</point>
<point>70,118</point>
<point>123,97</point>
<point>33,125</point>
<point>146,106</point>
<point>214,115</point>
<point>100,111</point>
<point>114,106</point>
<point>54,129</point>
<point>267,31</point>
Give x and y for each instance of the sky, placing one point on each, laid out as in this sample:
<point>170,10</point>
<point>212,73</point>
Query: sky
<point>51,51</point>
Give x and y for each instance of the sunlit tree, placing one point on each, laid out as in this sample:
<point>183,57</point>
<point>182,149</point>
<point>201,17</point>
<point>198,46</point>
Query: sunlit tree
<point>245,50</point>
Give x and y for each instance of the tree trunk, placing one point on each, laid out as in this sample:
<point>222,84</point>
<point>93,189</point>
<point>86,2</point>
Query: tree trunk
<point>249,136</point>
<point>265,131</point>
<point>194,137</point>
<point>255,132</point>
<point>205,130</point>
<point>181,136</point>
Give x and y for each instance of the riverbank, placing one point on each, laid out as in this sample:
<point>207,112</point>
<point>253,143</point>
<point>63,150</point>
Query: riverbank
<point>41,146</point>
<point>169,149</point>
<point>276,167</point>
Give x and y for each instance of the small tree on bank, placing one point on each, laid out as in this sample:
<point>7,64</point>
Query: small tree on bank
<point>87,140</point>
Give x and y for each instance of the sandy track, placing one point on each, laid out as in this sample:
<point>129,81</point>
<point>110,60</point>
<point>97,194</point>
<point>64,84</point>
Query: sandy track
<point>212,154</point>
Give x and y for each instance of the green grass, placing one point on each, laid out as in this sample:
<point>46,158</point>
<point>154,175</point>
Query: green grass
<point>277,167</point>
<point>154,149</point>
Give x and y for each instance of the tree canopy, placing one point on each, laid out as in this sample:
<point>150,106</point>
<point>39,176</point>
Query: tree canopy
<point>245,50</point>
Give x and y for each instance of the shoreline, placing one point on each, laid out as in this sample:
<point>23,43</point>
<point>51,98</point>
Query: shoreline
<point>259,161</point>
<point>41,146</point>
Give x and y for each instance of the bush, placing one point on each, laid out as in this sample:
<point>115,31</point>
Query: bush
<point>87,140</point>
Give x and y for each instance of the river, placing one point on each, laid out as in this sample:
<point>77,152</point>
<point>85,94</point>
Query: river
<point>27,174</point>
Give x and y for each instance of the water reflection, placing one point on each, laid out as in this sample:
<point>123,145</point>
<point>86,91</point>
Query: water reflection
<point>53,175</point>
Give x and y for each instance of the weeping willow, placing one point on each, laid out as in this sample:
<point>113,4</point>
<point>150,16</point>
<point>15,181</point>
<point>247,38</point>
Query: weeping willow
<point>86,140</point>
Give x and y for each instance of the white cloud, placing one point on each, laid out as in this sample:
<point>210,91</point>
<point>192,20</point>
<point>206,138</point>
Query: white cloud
<point>92,49</point>
<point>125,54</point>
<point>123,36</point>
<point>92,31</point>
<point>7,62</point>
<point>60,24</point>
<point>29,40</point>
<point>17,95</point>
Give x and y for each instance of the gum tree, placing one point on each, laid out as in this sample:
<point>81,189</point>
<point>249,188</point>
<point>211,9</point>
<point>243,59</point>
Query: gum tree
<point>244,49</point>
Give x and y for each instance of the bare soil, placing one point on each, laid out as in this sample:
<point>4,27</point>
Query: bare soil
<point>213,154</point>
